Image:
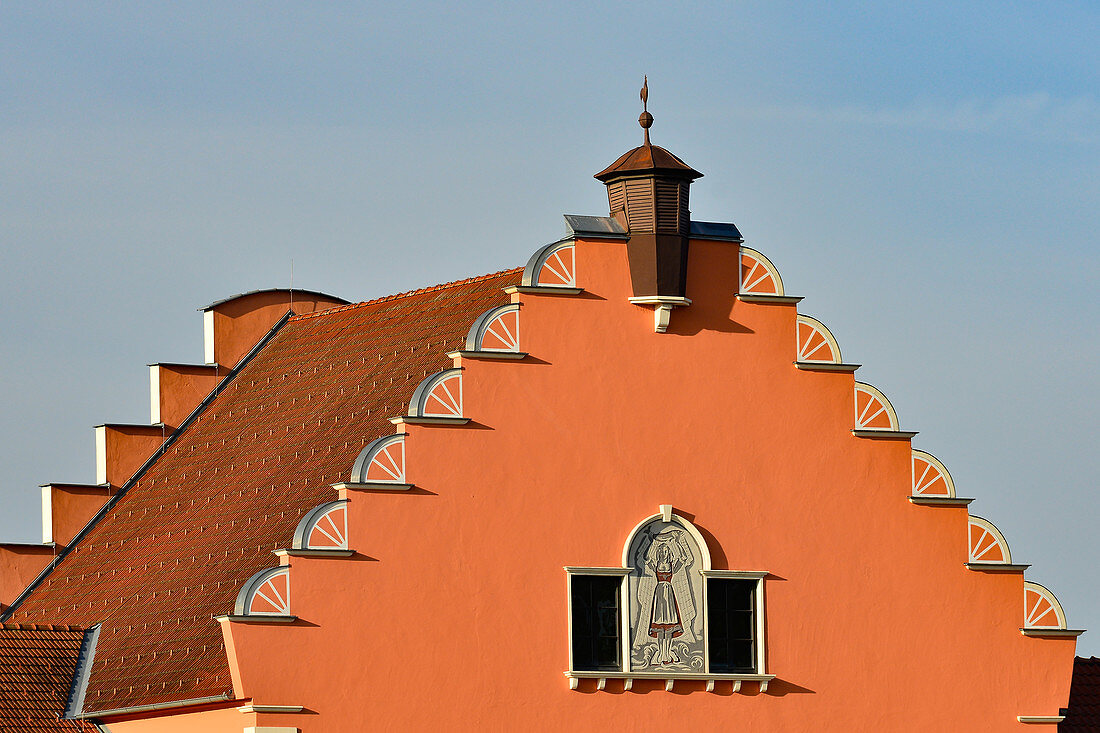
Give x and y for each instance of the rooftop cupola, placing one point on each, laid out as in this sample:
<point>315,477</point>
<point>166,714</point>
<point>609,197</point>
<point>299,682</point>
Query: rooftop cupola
<point>647,189</point>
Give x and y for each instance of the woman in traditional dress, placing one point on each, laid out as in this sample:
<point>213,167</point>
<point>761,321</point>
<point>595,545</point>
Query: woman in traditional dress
<point>664,621</point>
<point>667,610</point>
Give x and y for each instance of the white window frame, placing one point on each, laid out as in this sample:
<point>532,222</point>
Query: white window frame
<point>759,674</point>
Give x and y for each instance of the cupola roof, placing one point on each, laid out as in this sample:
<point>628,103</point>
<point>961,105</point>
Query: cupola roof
<point>648,158</point>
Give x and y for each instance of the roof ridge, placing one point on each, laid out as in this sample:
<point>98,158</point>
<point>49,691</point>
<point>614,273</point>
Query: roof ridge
<point>41,627</point>
<point>407,293</point>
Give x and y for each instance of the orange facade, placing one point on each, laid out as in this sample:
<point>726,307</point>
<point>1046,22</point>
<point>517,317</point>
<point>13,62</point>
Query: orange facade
<point>453,612</point>
<point>645,492</point>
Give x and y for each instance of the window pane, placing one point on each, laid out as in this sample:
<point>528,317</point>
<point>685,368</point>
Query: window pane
<point>596,622</point>
<point>731,623</point>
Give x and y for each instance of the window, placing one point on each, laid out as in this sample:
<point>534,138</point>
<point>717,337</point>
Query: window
<point>665,614</point>
<point>730,606</point>
<point>596,622</point>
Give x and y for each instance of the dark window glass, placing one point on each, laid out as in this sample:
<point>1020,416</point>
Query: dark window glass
<point>596,622</point>
<point>730,610</point>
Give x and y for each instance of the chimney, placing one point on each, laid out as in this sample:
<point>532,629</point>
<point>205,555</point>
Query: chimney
<point>647,189</point>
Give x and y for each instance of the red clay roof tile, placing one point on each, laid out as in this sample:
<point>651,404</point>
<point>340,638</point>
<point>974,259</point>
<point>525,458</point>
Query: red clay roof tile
<point>37,663</point>
<point>175,549</point>
<point>1084,698</point>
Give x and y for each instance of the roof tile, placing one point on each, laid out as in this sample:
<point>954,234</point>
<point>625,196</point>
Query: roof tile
<point>37,663</point>
<point>1084,698</point>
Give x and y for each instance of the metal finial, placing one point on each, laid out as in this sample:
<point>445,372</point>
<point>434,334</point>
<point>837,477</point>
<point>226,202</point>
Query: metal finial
<point>645,119</point>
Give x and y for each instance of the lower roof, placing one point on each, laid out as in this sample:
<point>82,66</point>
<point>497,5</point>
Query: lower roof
<point>37,665</point>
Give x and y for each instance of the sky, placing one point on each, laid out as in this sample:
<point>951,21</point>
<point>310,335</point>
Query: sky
<point>926,175</point>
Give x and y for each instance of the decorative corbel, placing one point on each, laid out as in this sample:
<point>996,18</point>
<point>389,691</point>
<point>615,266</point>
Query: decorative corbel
<point>662,308</point>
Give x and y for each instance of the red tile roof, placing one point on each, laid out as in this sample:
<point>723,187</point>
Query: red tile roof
<point>175,549</point>
<point>37,662</point>
<point>1084,698</point>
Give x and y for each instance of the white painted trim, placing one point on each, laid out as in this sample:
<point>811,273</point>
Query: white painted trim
<point>208,336</point>
<point>696,535</point>
<point>935,463</point>
<point>47,514</point>
<point>312,553</point>
<point>875,392</point>
<point>998,538</point>
<point>372,486</point>
<point>768,267</point>
<point>662,311</point>
<point>660,300</point>
<point>624,615</point>
<point>575,570</point>
<point>761,661</point>
<point>154,394</point>
<point>736,574</point>
<point>955,501</point>
<point>542,290</point>
<point>1043,591</point>
<point>665,676</point>
<point>624,618</point>
<point>769,299</point>
<point>492,355</point>
<point>241,619</point>
<point>248,592</point>
<point>429,420</point>
<point>101,454</point>
<point>826,334</point>
<point>1040,718</point>
<point>758,612</point>
<point>254,708</point>
<point>666,515</point>
<point>878,434</point>
<point>1052,633</point>
<point>484,324</point>
<point>824,366</point>
<point>996,567</point>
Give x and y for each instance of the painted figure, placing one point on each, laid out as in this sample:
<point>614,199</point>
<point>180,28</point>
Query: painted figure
<point>667,609</point>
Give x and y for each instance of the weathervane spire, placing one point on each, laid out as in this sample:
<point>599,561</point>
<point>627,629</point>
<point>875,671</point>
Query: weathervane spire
<point>645,119</point>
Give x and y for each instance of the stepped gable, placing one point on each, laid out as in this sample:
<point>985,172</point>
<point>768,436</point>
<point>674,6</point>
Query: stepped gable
<point>1083,715</point>
<point>37,662</point>
<point>175,549</point>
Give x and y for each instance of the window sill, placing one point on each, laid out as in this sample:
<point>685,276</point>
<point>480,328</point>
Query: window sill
<point>629,677</point>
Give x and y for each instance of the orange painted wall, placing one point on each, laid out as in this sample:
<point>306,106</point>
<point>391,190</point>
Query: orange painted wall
<point>182,388</point>
<point>126,448</point>
<point>19,565</point>
<point>72,507</point>
<point>241,322</point>
<point>453,616</point>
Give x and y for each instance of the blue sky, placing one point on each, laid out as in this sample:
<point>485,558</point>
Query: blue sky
<point>926,175</point>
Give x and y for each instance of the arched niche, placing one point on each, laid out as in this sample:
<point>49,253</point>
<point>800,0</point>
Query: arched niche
<point>667,557</point>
